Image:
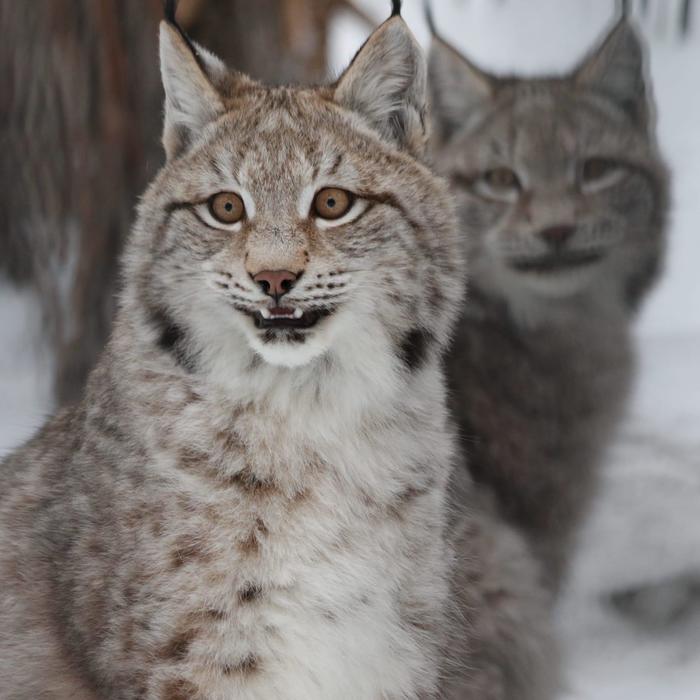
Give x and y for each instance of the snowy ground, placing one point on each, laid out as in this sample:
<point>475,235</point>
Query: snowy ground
<point>645,528</point>
<point>644,531</point>
<point>25,373</point>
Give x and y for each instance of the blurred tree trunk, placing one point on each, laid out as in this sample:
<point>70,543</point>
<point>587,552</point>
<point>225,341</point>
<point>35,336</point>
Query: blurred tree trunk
<point>276,41</point>
<point>80,129</point>
<point>79,141</point>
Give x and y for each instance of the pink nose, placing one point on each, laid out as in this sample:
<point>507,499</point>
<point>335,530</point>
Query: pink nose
<point>557,236</point>
<point>275,283</point>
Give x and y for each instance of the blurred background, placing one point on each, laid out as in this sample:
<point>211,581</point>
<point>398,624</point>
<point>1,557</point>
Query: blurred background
<point>80,129</point>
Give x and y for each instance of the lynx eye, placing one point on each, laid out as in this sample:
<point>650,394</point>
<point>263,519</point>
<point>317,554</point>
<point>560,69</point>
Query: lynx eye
<point>502,179</point>
<point>331,203</point>
<point>498,183</point>
<point>597,174</point>
<point>597,168</point>
<point>226,207</point>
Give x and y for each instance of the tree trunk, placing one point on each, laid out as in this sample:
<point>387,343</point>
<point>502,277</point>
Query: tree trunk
<point>276,41</point>
<point>79,80</point>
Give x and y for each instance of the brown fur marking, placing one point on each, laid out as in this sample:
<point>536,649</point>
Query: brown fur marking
<point>245,667</point>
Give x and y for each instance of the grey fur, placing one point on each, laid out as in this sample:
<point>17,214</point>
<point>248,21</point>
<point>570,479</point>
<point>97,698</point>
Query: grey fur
<point>542,362</point>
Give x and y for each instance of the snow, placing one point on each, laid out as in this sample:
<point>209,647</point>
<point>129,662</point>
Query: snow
<point>644,531</point>
<point>645,526</point>
<point>651,489</point>
<point>25,370</point>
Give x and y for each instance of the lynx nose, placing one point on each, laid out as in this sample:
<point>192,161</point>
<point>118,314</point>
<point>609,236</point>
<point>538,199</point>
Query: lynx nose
<point>557,236</point>
<point>275,283</point>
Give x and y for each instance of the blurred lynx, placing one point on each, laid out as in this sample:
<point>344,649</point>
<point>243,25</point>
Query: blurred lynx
<point>249,502</point>
<point>562,197</point>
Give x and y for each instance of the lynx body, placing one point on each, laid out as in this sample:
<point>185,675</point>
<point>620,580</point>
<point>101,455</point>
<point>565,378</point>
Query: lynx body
<point>250,500</point>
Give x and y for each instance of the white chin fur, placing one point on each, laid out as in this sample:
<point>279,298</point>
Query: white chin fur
<point>529,287</point>
<point>557,284</point>
<point>284,354</point>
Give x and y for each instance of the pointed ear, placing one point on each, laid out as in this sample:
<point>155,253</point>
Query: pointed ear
<point>386,84</point>
<point>616,69</point>
<point>191,99</point>
<point>457,87</point>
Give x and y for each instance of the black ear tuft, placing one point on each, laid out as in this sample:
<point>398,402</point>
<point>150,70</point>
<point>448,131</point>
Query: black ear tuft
<point>429,17</point>
<point>169,10</point>
<point>395,8</point>
<point>386,84</point>
<point>623,7</point>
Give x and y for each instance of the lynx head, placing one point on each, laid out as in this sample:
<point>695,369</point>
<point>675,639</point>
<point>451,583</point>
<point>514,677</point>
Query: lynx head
<point>560,190</point>
<point>289,223</point>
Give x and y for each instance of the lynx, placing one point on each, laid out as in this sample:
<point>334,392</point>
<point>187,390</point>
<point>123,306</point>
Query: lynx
<point>562,198</point>
<point>250,499</point>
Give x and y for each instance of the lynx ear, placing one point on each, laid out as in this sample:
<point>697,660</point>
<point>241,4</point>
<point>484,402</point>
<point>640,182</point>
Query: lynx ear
<point>191,99</point>
<point>386,84</point>
<point>457,87</point>
<point>616,69</point>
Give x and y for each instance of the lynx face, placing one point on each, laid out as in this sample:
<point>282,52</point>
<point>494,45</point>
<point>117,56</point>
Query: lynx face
<point>557,181</point>
<point>298,220</point>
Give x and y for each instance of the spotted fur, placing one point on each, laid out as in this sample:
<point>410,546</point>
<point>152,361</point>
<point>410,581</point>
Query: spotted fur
<point>237,511</point>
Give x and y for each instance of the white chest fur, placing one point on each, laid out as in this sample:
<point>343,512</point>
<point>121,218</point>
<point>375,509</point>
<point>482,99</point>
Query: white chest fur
<point>301,563</point>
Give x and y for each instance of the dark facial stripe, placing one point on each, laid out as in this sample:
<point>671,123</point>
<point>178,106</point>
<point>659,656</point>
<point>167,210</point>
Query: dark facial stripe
<point>414,348</point>
<point>390,200</point>
<point>336,164</point>
<point>172,339</point>
<point>170,207</point>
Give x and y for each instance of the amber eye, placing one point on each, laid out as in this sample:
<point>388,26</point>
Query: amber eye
<point>501,179</point>
<point>226,207</point>
<point>332,203</point>
<point>597,168</point>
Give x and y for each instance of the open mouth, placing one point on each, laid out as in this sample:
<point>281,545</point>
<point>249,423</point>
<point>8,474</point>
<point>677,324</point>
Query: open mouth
<point>557,261</point>
<point>285,317</point>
